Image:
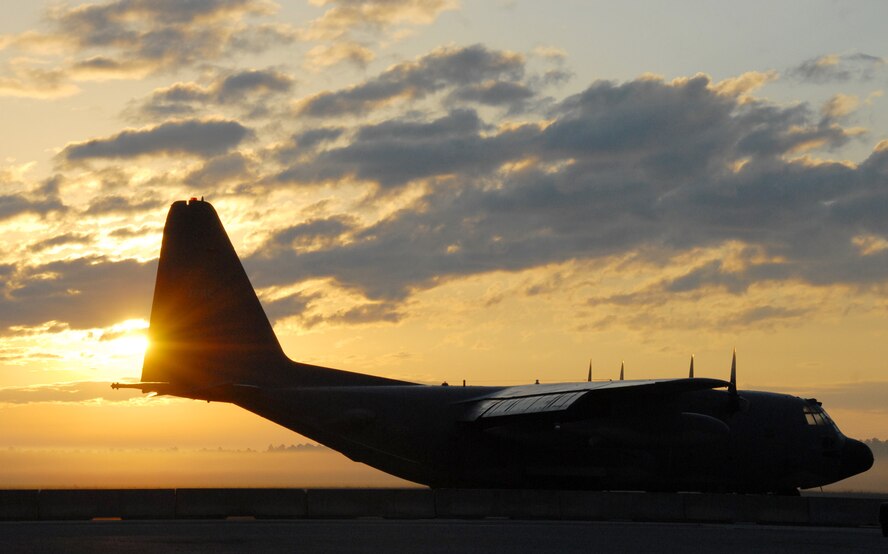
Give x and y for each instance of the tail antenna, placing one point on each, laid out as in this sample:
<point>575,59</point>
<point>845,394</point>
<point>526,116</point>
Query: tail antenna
<point>589,376</point>
<point>691,371</point>
<point>622,368</point>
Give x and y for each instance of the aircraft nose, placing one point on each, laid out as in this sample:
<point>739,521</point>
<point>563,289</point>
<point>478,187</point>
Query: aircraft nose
<point>856,458</point>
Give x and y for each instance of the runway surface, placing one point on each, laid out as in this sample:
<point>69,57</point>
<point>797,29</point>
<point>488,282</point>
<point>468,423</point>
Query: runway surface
<point>427,536</point>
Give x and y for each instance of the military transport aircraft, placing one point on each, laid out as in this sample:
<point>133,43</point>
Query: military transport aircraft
<point>210,340</point>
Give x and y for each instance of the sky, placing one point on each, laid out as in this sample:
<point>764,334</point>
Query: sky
<point>436,190</point>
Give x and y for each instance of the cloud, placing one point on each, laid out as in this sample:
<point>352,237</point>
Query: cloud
<point>12,205</point>
<point>237,86</point>
<point>309,139</point>
<point>647,166</point>
<point>85,293</point>
<point>835,67</point>
<point>119,205</point>
<point>249,90</point>
<point>394,153</point>
<point>135,38</point>
<point>840,105</point>
<point>314,233</point>
<point>496,93</point>
<point>220,170</point>
<point>343,17</point>
<point>22,79</point>
<point>368,313</point>
<point>61,240</point>
<point>129,232</point>
<point>758,314</point>
<point>196,137</point>
<point>443,68</point>
<point>326,55</point>
<point>744,85</point>
<point>288,306</point>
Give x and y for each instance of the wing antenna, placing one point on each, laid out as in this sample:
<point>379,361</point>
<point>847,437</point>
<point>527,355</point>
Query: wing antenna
<point>732,386</point>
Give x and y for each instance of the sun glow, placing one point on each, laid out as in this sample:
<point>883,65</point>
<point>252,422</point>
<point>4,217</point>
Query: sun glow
<point>121,348</point>
<point>133,345</point>
<point>126,339</point>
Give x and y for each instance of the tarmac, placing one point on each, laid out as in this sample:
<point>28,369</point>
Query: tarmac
<point>428,536</point>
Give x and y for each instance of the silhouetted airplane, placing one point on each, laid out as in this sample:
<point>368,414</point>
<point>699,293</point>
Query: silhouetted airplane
<point>210,340</point>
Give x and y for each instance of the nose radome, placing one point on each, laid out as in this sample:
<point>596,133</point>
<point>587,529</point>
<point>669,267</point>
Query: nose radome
<point>856,458</point>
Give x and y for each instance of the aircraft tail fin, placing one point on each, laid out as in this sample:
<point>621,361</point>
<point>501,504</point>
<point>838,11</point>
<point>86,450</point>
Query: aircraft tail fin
<point>208,331</point>
<point>207,326</point>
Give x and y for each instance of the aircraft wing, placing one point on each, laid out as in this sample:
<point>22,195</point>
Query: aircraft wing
<point>555,398</point>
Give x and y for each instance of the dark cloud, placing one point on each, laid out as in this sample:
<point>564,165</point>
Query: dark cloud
<point>836,67</point>
<point>365,313</point>
<point>249,90</point>
<point>759,314</point>
<point>313,137</point>
<point>135,38</point>
<point>313,232</point>
<point>155,35</point>
<point>496,93</point>
<point>449,67</point>
<point>59,240</point>
<point>219,170</point>
<point>288,306</point>
<point>396,152</point>
<point>194,137</point>
<point>647,166</point>
<point>119,205</point>
<point>128,232</point>
<point>12,205</point>
<point>83,292</point>
<point>237,86</point>
<point>710,274</point>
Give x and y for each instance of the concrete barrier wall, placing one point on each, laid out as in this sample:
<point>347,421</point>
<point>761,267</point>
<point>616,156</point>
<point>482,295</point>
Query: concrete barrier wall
<point>390,503</point>
<point>221,503</point>
<point>107,503</point>
<point>438,503</point>
<point>19,505</point>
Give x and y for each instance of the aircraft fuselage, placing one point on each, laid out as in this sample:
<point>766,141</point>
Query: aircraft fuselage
<point>694,441</point>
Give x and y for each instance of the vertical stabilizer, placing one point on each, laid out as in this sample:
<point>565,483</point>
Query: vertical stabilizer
<point>207,326</point>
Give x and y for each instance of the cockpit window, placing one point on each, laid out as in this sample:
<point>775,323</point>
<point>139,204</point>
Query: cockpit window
<point>815,415</point>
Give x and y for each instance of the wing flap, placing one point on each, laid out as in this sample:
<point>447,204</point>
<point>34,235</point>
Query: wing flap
<point>530,400</point>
